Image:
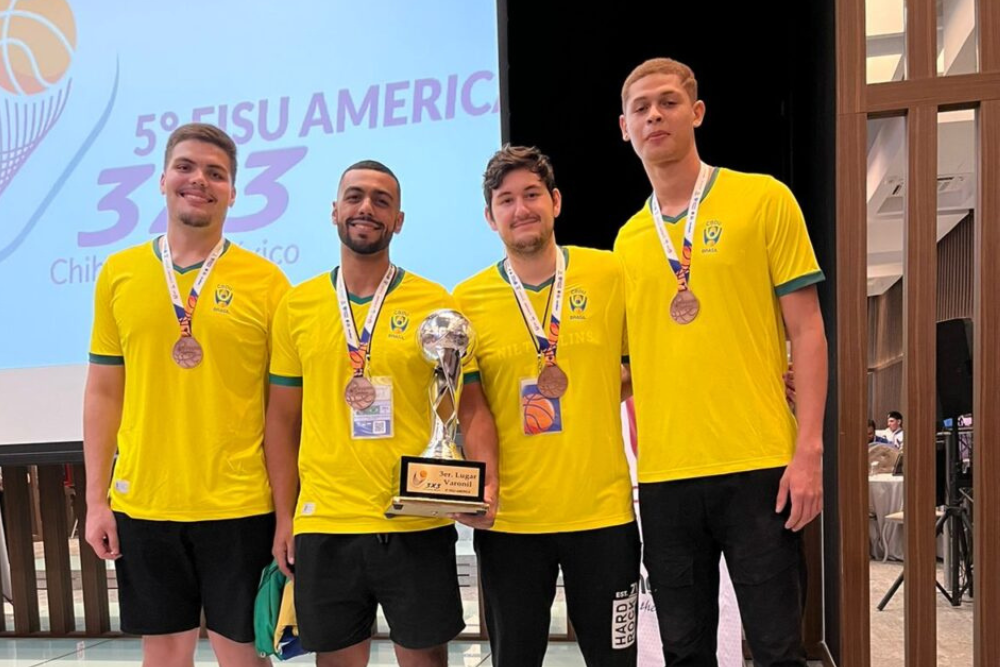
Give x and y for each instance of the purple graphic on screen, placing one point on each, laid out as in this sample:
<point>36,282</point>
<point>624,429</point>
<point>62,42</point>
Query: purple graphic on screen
<point>126,179</point>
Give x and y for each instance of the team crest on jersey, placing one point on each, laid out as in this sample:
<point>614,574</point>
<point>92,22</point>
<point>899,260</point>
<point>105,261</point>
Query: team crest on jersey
<point>713,230</point>
<point>578,303</point>
<point>223,297</point>
<point>398,323</point>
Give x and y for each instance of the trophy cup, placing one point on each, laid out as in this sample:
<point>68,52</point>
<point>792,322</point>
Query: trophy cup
<point>440,481</point>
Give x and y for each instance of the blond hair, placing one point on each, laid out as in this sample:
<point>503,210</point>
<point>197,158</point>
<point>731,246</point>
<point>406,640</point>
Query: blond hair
<point>663,66</point>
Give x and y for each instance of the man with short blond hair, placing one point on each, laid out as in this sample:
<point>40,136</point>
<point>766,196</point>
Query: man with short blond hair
<point>719,269</point>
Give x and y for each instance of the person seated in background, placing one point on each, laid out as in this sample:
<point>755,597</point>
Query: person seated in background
<point>894,436</point>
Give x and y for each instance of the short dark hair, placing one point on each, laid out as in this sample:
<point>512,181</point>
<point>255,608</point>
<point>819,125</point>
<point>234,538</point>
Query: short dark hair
<point>511,158</point>
<point>208,134</point>
<point>374,165</point>
<point>898,416</point>
<point>871,424</point>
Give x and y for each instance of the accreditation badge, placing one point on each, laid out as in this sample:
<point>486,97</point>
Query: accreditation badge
<point>375,421</point>
<point>540,414</point>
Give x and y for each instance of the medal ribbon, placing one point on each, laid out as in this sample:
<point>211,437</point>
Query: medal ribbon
<point>184,312</point>
<point>358,346</point>
<point>546,345</point>
<point>681,265</point>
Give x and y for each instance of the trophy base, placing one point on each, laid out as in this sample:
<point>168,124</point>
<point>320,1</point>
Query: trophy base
<point>409,506</point>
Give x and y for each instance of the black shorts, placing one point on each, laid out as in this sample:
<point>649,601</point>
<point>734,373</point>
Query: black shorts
<point>600,574</point>
<point>170,570</point>
<point>340,579</point>
<point>686,525</point>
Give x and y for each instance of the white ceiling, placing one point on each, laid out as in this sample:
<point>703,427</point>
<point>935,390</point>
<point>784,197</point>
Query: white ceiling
<point>887,137</point>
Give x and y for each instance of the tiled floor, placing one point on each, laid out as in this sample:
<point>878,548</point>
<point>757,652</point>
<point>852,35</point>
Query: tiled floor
<point>128,652</point>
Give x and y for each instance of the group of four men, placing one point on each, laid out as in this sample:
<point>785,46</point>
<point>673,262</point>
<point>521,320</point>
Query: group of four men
<point>711,276</point>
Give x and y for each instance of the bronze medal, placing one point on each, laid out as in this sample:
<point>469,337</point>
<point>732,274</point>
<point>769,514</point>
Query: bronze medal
<point>187,352</point>
<point>360,393</point>
<point>684,308</point>
<point>552,382</point>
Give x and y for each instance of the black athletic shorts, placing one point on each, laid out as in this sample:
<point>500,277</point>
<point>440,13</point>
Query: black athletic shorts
<point>340,579</point>
<point>170,570</point>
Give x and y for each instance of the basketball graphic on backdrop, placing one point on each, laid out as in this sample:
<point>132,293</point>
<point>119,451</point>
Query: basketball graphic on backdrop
<point>539,414</point>
<point>37,45</point>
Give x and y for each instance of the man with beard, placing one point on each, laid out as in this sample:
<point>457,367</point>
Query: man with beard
<point>347,402</point>
<point>551,325</point>
<point>189,515</point>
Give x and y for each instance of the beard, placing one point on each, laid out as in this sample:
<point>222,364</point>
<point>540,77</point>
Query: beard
<point>530,246</point>
<point>364,247</point>
<point>196,220</point>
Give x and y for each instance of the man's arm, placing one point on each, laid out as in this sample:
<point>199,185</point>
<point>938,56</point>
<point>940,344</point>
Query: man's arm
<point>102,414</point>
<point>480,443</point>
<point>282,434</point>
<point>803,479</point>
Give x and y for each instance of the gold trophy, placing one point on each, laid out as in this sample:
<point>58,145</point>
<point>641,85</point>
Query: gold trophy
<point>440,481</point>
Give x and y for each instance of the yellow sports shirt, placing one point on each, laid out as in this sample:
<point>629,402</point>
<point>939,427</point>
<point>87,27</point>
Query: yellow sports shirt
<point>709,395</point>
<point>189,445</point>
<point>346,483</point>
<point>576,478</point>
